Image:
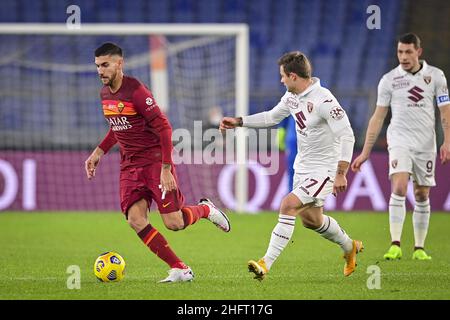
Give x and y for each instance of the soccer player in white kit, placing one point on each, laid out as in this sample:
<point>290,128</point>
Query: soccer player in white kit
<point>325,147</point>
<point>410,91</point>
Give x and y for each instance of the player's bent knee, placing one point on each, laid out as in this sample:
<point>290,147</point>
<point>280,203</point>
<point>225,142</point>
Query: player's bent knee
<point>174,226</point>
<point>290,205</point>
<point>173,221</point>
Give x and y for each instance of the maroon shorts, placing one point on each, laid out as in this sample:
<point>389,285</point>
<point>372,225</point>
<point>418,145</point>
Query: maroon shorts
<point>143,183</point>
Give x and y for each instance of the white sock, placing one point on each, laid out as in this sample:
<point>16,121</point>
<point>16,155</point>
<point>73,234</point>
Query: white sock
<point>397,212</point>
<point>421,218</point>
<point>331,230</point>
<point>281,235</point>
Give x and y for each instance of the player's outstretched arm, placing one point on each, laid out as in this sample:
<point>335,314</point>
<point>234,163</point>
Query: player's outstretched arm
<point>92,162</point>
<point>445,121</point>
<point>373,130</point>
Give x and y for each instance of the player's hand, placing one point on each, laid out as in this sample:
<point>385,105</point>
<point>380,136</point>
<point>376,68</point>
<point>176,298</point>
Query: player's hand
<point>445,153</point>
<point>229,123</point>
<point>340,184</point>
<point>357,163</point>
<point>168,182</point>
<point>92,162</point>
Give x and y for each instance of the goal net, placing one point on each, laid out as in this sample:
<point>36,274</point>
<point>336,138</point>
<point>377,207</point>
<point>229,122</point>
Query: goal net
<point>51,116</point>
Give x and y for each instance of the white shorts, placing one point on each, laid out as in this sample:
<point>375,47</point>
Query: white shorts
<point>420,165</point>
<point>312,187</point>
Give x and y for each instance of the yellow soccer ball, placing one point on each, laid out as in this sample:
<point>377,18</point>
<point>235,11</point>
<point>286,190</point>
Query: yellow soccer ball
<point>109,266</point>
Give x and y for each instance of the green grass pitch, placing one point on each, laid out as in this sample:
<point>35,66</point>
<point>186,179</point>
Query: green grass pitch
<point>37,248</point>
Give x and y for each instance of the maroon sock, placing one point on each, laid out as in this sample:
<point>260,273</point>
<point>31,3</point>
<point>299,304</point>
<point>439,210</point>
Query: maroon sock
<point>159,246</point>
<point>192,214</point>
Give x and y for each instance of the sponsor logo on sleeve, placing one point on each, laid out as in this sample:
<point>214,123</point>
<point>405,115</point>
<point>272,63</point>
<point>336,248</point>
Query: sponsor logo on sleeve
<point>337,113</point>
<point>444,98</point>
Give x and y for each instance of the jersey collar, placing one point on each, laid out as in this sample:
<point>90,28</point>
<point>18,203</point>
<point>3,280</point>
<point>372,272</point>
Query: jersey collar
<point>314,85</point>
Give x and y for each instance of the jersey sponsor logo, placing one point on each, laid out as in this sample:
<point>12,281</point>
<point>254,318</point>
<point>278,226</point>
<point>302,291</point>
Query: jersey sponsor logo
<point>310,106</point>
<point>149,101</point>
<point>394,163</point>
<point>119,123</point>
<point>337,113</point>
<point>400,84</point>
<point>415,94</point>
<point>443,98</point>
<point>427,79</point>
<point>116,108</point>
<point>292,103</point>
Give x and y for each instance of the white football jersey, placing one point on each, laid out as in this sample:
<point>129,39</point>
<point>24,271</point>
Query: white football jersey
<point>412,99</point>
<point>318,118</point>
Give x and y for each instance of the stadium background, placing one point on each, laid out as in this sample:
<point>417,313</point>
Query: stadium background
<point>50,120</point>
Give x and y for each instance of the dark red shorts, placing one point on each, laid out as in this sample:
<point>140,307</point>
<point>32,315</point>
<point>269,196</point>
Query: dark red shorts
<point>143,183</point>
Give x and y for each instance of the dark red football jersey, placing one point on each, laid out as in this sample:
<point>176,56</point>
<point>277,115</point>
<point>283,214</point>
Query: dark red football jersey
<point>143,132</point>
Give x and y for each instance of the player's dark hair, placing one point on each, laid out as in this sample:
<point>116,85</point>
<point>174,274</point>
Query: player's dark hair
<point>108,48</point>
<point>296,62</point>
<point>409,38</point>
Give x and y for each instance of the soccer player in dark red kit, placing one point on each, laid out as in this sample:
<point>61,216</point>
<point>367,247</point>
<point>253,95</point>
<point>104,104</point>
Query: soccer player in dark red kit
<point>147,173</point>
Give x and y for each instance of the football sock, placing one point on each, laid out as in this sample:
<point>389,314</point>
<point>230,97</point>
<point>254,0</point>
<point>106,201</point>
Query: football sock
<point>192,214</point>
<point>397,212</point>
<point>159,246</point>
<point>281,235</point>
<point>331,230</point>
<point>421,218</point>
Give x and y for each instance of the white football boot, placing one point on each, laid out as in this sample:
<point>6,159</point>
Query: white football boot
<point>217,216</point>
<point>179,275</point>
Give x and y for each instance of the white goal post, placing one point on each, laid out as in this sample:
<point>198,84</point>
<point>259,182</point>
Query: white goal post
<point>239,31</point>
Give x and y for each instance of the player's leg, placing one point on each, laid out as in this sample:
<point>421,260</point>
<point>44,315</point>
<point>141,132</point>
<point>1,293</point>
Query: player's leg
<point>423,177</point>
<point>281,235</point>
<point>397,213</point>
<point>189,215</point>
<point>313,218</point>
<point>421,219</point>
<point>176,215</point>
<point>400,168</point>
<point>155,241</point>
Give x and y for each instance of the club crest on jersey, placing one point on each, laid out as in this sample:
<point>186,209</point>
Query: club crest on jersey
<point>149,101</point>
<point>120,106</point>
<point>394,163</point>
<point>310,106</point>
<point>337,113</point>
<point>427,79</point>
<point>292,103</point>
